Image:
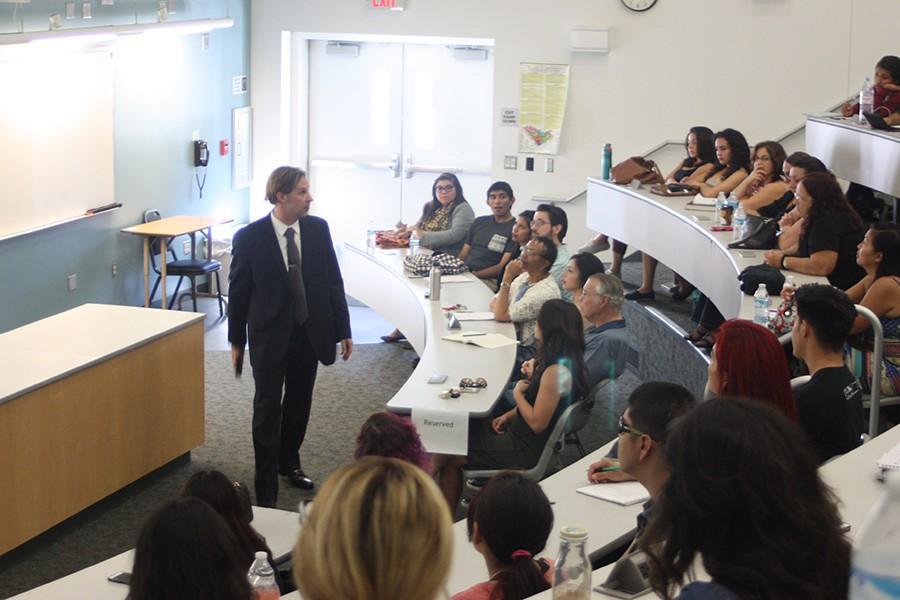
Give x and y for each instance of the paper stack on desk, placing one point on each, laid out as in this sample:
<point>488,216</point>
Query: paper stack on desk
<point>890,461</point>
<point>484,340</point>
<point>625,493</point>
<point>474,316</point>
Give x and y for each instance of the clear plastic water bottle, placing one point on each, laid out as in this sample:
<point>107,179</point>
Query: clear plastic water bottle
<point>739,222</point>
<point>414,243</point>
<point>721,204</point>
<point>876,558</point>
<point>262,579</point>
<point>606,162</point>
<point>866,99</point>
<point>572,572</point>
<point>761,305</point>
<point>370,236</point>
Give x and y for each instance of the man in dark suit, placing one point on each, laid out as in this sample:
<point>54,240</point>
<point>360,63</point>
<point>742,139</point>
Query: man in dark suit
<point>289,296</point>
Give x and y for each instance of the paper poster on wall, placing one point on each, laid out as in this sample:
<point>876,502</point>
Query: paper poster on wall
<point>543,89</point>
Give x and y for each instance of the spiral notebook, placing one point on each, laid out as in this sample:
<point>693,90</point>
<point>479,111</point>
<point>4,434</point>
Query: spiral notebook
<point>890,460</point>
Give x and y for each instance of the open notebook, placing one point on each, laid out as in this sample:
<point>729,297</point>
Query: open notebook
<point>625,493</point>
<point>890,460</point>
<point>484,340</point>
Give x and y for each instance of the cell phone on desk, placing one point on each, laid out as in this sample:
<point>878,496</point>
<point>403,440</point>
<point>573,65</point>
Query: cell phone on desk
<point>123,577</point>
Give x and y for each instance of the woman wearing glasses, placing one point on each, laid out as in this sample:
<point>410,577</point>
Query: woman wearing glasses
<point>443,226</point>
<point>764,191</point>
<point>516,438</point>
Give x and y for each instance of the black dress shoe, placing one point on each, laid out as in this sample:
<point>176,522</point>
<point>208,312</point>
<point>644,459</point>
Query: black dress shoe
<point>298,479</point>
<point>639,295</point>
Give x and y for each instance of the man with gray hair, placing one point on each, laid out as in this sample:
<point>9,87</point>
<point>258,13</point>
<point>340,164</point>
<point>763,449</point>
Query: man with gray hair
<point>606,341</point>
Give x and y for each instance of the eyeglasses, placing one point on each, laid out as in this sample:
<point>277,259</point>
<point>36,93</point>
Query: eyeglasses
<point>530,250</point>
<point>539,222</point>
<point>444,188</point>
<point>626,428</point>
<point>762,158</point>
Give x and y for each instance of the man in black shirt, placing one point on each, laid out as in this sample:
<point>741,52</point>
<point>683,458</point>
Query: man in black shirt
<point>829,407</point>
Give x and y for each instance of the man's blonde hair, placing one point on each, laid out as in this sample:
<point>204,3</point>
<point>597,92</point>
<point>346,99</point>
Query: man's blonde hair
<point>379,529</point>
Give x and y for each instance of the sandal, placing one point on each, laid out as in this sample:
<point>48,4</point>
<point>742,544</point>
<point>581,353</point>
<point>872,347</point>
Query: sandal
<point>706,342</point>
<point>393,337</point>
<point>680,293</point>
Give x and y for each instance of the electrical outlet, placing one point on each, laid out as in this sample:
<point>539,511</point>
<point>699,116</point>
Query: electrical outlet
<point>72,282</point>
<point>510,162</point>
<point>115,270</point>
<point>86,10</point>
<point>186,248</point>
<point>70,9</point>
<point>529,163</point>
<point>548,165</point>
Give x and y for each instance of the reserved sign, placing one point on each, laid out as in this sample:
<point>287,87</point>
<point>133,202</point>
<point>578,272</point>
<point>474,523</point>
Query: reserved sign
<point>442,432</point>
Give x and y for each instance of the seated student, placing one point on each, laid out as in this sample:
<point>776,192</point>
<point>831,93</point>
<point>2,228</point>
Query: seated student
<point>607,340</point>
<point>832,232</point>
<point>186,551</point>
<point>508,522</point>
<point>796,166</point>
<point>578,269</point>
<point>526,285</point>
<point>879,291</point>
<point>764,192</point>
<point>886,102</point>
<point>521,235</point>
<point>829,407</point>
<point>697,166</point>
<point>378,529</point>
<point>642,435</point>
<point>733,155</point>
<point>443,226</point>
<point>551,221</point>
<point>394,436</point>
<point>746,496</point>
<point>222,494</point>
<point>516,438</point>
<point>747,361</point>
<point>489,245</point>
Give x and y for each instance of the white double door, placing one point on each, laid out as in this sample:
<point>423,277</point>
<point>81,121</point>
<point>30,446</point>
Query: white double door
<point>385,120</point>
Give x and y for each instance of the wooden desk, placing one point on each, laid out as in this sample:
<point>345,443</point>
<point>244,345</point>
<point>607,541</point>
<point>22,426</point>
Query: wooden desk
<point>378,279</point>
<point>91,400</point>
<point>279,527</point>
<point>165,229</point>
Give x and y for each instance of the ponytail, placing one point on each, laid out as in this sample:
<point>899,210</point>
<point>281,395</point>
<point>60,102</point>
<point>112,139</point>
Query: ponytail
<point>520,579</point>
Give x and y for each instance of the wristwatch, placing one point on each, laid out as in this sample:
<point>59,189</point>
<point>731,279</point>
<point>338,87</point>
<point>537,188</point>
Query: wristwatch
<point>783,258</point>
<point>504,284</point>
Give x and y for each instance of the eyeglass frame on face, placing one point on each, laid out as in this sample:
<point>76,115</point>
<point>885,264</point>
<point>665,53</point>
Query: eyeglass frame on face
<point>626,428</point>
<point>441,189</point>
<point>529,249</point>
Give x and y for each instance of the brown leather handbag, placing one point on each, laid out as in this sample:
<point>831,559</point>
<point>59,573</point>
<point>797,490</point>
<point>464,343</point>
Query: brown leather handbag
<point>637,167</point>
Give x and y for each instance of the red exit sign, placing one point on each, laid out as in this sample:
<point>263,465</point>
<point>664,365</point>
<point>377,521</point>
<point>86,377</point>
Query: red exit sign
<point>387,4</point>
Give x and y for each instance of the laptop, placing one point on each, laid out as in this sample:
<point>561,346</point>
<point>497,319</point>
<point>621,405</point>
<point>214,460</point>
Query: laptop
<point>877,122</point>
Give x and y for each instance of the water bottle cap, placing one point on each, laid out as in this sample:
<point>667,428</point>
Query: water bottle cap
<point>575,534</point>
<point>261,555</point>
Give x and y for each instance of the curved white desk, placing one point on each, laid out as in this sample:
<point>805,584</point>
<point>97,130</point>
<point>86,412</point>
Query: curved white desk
<point>378,280</point>
<point>679,237</point>
<point>856,152</point>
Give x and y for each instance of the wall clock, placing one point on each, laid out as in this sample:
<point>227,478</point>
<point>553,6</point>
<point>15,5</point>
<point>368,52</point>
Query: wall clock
<point>639,5</point>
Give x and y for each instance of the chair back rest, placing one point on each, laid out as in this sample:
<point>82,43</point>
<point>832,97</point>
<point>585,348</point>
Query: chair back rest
<point>559,429</point>
<point>800,381</point>
<point>150,215</point>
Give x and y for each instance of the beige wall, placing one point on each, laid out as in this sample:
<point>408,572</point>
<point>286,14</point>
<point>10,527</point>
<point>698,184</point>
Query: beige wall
<point>755,65</point>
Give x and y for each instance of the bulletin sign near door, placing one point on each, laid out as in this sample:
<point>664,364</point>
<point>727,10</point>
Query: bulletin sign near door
<point>543,90</point>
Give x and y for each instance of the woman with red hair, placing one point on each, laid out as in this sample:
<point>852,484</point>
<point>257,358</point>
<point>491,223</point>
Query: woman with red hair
<point>748,362</point>
<point>392,436</point>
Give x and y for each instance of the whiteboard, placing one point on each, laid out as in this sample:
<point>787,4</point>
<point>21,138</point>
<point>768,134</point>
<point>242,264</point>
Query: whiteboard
<point>56,137</point>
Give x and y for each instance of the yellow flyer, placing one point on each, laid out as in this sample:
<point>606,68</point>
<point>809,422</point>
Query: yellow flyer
<point>543,89</point>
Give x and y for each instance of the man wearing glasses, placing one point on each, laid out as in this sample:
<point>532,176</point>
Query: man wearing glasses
<point>551,221</point>
<point>643,428</point>
<point>607,341</point>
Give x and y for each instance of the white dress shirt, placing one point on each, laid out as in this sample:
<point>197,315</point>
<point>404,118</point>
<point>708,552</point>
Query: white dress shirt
<point>280,228</point>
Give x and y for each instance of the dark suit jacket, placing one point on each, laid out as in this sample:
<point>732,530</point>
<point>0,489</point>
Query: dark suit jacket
<point>259,300</point>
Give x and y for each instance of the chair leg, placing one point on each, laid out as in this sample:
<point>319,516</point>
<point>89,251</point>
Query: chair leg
<point>219,294</point>
<point>153,291</point>
<point>175,295</point>
<point>194,292</point>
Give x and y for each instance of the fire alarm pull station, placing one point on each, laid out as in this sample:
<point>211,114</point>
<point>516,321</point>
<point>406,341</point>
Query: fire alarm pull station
<point>224,145</point>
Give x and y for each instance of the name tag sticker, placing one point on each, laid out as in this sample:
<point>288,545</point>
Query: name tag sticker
<point>442,432</point>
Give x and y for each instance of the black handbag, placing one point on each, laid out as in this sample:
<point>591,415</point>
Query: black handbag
<point>763,234</point>
<point>754,275</point>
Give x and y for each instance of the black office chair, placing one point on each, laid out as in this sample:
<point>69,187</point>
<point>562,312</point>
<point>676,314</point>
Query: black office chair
<point>187,267</point>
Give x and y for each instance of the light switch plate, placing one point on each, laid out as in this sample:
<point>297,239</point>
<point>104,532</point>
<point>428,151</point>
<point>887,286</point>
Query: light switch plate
<point>510,162</point>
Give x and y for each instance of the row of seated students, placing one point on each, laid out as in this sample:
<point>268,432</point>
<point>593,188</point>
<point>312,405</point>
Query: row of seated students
<point>380,529</point>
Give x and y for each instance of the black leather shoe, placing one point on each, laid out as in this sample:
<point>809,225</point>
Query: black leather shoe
<point>298,479</point>
<point>639,295</point>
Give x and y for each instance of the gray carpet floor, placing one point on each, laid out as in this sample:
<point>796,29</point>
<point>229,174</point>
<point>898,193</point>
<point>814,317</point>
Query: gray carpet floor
<point>345,395</point>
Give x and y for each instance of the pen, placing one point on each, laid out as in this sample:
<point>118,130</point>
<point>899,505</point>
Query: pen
<point>608,469</point>
<point>472,334</point>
